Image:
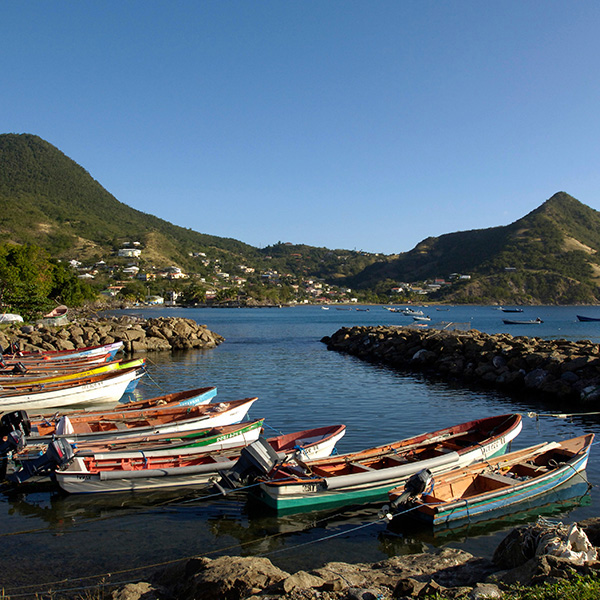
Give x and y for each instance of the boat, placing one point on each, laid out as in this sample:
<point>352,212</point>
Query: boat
<point>421,319</point>
<point>42,459</point>
<point>59,311</point>
<point>112,348</point>
<point>39,365</point>
<point>494,484</point>
<point>148,472</point>
<point>368,475</point>
<point>586,319</point>
<point>23,378</point>
<point>98,389</point>
<point>410,312</point>
<point>123,423</point>
<point>10,318</point>
<point>196,396</point>
<point>531,322</point>
<point>511,310</point>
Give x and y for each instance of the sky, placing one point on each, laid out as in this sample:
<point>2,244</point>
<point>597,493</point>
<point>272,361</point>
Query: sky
<point>362,125</point>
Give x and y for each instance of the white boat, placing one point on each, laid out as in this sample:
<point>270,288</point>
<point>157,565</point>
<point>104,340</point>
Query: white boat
<point>105,388</point>
<point>96,474</point>
<point>10,318</point>
<point>128,423</point>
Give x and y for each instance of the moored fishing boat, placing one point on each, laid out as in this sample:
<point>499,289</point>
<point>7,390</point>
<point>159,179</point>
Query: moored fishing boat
<point>367,476</point>
<point>524,322</point>
<point>28,379</point>
<point>97,473</point>
<point>192,397</point>
<point>497,484</point>
<point>111,348</point>
<point>134,423</point>
<point>97,389</point>
<point>586,319</point>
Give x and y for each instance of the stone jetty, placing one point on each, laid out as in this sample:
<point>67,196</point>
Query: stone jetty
<point>138,335</point>
<point>558,370</point>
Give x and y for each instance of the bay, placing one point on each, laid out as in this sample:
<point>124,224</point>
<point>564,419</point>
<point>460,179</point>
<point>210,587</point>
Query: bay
<point>276,355</point>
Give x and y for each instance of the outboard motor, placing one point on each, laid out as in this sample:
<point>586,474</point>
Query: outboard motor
<point>58,453</point>
<point>414,486</point>
<point>258,458</point>
<point>17,420</point>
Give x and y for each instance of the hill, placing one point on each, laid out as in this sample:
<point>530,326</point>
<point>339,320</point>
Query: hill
<point>51,201</point>
<point>548,256</point>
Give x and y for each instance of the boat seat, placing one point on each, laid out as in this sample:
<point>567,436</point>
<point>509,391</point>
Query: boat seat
<point>83,428</point>
<point>498,478</point>
<point>361,467</point>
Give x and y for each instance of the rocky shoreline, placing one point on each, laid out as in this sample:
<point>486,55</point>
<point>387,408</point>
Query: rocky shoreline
<point>529,555</point>
<point>557,370</point>
<point>164,334</point>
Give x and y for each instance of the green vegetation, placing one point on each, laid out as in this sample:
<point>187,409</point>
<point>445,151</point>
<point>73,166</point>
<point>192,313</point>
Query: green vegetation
<point>575,588</point>
<point>31,283</point>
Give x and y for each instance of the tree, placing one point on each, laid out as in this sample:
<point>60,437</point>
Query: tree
<point>25,279</point>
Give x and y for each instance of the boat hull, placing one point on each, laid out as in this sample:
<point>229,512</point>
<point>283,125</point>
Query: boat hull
<point>502,499</point>
<point>77,479</point>
<point>373,486</point>
<point>96,392</point>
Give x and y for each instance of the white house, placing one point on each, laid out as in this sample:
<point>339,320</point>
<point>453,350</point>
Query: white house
<point>130,252</point>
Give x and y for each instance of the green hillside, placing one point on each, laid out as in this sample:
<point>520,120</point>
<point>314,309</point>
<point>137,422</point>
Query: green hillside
<point>51,201</point>
<point>548,256</point>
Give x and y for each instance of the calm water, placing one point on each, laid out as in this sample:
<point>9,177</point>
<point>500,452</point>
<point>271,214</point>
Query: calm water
<point>276,354</point>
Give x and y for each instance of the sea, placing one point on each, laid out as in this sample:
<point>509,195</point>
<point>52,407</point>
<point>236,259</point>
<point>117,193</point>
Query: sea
<point>67,543</point>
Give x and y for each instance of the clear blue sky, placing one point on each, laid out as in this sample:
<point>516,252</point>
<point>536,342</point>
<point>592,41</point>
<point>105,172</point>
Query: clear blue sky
<point>365,125</point>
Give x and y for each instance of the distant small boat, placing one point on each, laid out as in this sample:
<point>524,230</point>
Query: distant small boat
<point>324,307</point>
<point>10,318</point>
<point>532,322</point>
<point>423,318</point>
<point>583,318</point>
<point>59,311</point>
<point>512,310</point>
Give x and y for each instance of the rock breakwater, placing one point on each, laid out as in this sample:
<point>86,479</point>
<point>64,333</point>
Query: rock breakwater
<point>561,370</point>
<point>137,335</point>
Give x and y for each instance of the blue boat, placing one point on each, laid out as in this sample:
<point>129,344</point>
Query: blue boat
<point>495,484</point>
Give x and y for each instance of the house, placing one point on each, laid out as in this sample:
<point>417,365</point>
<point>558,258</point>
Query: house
<point>130,252</point>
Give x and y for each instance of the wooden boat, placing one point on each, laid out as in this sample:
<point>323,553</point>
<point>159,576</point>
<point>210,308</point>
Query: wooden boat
<point>367,476</point>
<point>134,423</point>
<point>59,311</point>
<point>41,459</point>
<point>586,319</point>
<point>29,379</point>
<point>35,365</point>
<point>98,389</point>
<point>531,322</point>
<point>497,483</point>
<point>146,471</point>
<point>196,396</point>
<point>113,348</point>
